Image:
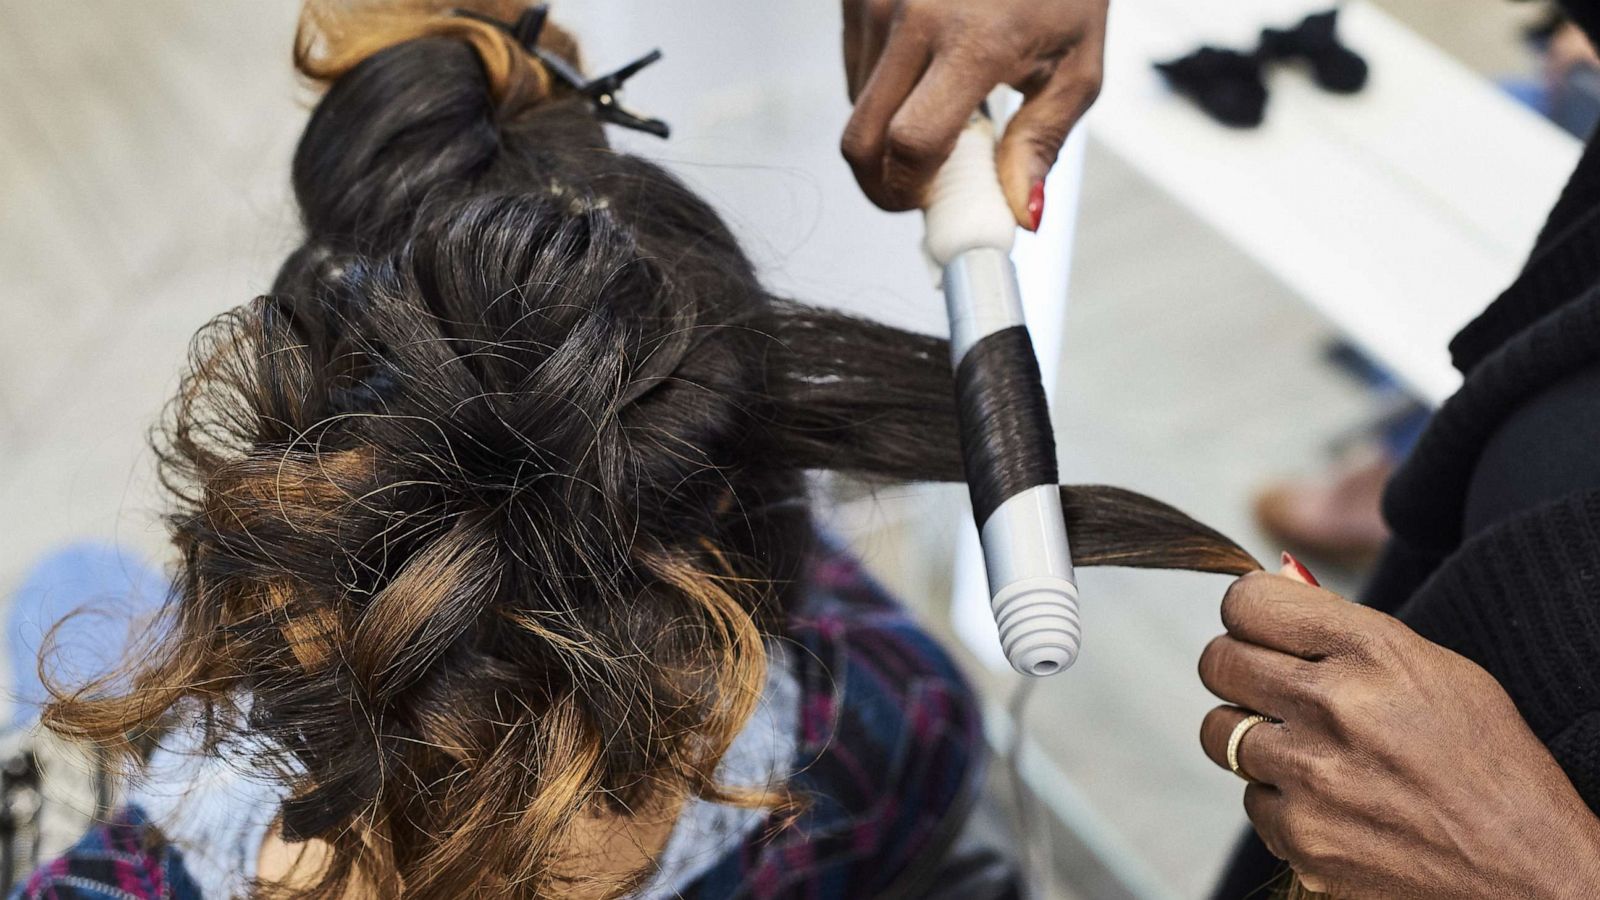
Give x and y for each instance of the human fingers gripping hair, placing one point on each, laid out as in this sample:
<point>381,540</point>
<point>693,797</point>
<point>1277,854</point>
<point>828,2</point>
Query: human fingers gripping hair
<point>485,513</point>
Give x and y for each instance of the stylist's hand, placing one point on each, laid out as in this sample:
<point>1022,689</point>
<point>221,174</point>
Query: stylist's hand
<point>918,68</point>
<point>1400,769</point>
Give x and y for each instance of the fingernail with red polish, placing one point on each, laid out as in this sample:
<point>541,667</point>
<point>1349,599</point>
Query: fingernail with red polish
<point>1303,572</point>
<point>1036,204</point>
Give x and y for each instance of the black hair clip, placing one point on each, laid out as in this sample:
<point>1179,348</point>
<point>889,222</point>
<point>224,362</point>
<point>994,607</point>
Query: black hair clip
<point>602,91</point>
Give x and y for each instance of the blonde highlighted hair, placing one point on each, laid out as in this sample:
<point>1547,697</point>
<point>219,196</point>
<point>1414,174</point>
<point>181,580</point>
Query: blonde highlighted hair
<point>334,36</point>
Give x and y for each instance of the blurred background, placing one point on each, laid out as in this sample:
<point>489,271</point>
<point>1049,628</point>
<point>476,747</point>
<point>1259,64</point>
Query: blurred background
<point>1247,323</point>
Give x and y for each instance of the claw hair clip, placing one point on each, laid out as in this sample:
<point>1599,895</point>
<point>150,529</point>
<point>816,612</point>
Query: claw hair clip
<point>601,92</point>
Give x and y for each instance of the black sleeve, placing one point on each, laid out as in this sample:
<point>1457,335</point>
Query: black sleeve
<point>1253,873</point>
<point>1548,449</point>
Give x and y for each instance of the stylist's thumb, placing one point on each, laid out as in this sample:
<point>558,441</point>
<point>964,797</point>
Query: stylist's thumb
<point>1034,136</point>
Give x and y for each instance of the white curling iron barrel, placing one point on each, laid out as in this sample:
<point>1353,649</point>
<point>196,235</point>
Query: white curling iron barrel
<point>1007,442</point>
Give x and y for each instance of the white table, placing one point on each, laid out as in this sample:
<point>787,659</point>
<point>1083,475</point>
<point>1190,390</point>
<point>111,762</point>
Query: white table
<point>1398,213</point>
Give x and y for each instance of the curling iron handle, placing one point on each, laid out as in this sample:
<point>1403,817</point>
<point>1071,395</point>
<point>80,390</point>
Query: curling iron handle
<point>965,208</point>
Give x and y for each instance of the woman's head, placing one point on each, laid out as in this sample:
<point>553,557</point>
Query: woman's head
<point>478,506</point>
<point>485,512</point>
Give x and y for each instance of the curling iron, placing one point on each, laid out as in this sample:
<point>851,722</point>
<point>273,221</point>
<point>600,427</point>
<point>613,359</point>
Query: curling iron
<point>1007,444</point>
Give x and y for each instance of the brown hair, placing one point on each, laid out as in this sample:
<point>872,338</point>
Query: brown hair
<point>485,512</point>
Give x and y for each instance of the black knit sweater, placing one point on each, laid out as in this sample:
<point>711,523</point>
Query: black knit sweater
<point>1521,595</point>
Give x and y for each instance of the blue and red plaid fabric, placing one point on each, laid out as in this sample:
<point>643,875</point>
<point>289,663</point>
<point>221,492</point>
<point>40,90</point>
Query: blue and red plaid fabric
<point>114,861</point>
<point>890,752</point>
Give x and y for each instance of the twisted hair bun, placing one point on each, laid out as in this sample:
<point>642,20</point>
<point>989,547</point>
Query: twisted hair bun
<point>422,102</point>
<point>486,511</point>
<point>505,469</point>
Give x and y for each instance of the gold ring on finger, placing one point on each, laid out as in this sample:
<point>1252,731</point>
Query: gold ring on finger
<point>1237,737</point>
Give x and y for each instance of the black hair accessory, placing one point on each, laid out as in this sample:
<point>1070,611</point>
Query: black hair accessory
<point>1226,84</point>
<point>601,92</point>
<point>1336,67</point>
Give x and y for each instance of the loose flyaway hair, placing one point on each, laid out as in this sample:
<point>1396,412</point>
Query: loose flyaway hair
<point>485,511</point>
